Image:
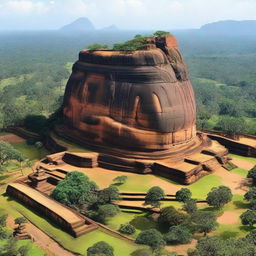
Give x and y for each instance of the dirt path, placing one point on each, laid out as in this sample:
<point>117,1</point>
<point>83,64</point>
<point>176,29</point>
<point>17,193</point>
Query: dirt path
<point>229,218</point>
<point>181,249</point>
<point>11,138</point>
<point>234,181</point>
<point>51,247</point>
<point>243,164</point>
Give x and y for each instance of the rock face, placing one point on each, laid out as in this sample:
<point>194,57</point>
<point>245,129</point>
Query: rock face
<point>140,100</point>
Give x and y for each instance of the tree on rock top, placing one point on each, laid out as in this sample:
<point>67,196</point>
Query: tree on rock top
<point>153,197</point>
<point>100,249</point>
<point>76,190</point>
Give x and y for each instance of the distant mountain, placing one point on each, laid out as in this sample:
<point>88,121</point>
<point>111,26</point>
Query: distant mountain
<point>232,27</point>
<point>111,28</point>
<point>81,24</point>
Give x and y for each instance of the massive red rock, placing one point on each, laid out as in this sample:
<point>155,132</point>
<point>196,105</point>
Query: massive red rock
<point>141,100</point>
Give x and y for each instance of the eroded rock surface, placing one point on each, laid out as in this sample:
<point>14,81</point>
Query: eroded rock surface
<point>141,100</point>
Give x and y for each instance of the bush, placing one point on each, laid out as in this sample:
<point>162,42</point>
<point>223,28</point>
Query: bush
<point>76,190</point>
<point>127,229</point>
<point>248,218</point>
<point>169,217</point>
<point>3,219</point>
<point>152,238</point>
<point>120,179</point>
<point>105,211</point>
<point>178,235</point>
<point>154,195</point>
<point>107,195</point>
<point>203,221</point>
<point>219,196</point>
<point>252,174</point>
<point>36,123</point>
<point>100,249</point>
<point>190,206</point>
<point>183,194</point>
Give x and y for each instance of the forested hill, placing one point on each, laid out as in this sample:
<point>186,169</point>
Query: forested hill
<point>34,67</point>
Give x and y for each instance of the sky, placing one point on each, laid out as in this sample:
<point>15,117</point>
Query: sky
<point>125,14</point>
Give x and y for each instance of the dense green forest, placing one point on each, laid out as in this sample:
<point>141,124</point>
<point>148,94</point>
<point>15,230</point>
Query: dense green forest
<point>34,68</point>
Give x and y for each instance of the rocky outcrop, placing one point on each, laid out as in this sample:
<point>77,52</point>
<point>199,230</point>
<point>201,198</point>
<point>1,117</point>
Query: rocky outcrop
<point>140,100</point>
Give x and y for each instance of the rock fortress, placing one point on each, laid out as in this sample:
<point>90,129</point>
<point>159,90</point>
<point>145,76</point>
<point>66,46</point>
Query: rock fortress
<point>135,111</point>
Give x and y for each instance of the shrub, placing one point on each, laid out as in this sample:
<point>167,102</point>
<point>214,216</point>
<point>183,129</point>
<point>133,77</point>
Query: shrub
<point>120,179</point>
<point>219,196</point>
<point>107,210</point>
<point>127,229</point>
<point>169,217</point>
<point>190,206</point>
<point>178,235</point>
<point>183,194</point>
<point>100,249</point>
<point>248,218</point>
<point>152,238</point>
<point>154,195</point>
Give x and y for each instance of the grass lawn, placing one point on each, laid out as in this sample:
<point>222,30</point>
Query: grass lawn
<point>249,159</point>
<point>34,250</point>
<point>142,183</point>
<point>70,145</point>
<point>30,151</point>
<point>229,231</point>
<point>77,245</point>
<point>3,133</point>
<point>240,171</point>
<point>202,187</point>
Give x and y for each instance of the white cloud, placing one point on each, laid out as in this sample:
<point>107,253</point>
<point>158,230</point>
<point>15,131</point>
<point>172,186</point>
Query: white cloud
<point>150,14</point>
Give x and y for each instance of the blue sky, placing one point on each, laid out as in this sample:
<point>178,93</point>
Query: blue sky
<point>126,14</point>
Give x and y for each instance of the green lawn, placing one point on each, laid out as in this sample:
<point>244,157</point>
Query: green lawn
<point>34,250</point>
<point>240,171</point>
<point>3,133</point>
<point>249,159</point>
<point>202,187</point>
<point>70,145</point>
<point>30,151</point>
<point>77,245</point>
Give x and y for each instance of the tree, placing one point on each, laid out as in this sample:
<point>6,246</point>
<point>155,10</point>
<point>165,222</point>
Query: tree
<point>127,229</point>
<point>95,47</point>
<point>232,125</point>
<point>248,218</point>
<point>152,238</point>
<point>100,249</point>
<point>190,206</point>
<point>178,235</point>
<point>8,152</point>
<point>120,179</point>
<point>3,219</point>
<point>36,123</point>
<point>161,33</point>
<point>169,217</point>
<point>105,211</point>
<point>251,194</point>
<point>203,221</point>
<point>252,174</point>
<point>154,195</point>
<point>76,190</point>
<point>108,195</point>
<point>39,145</point>
<point>216,246</point>
<point>219,196</point>
<point>21,220</point>
<point>183,194</point>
